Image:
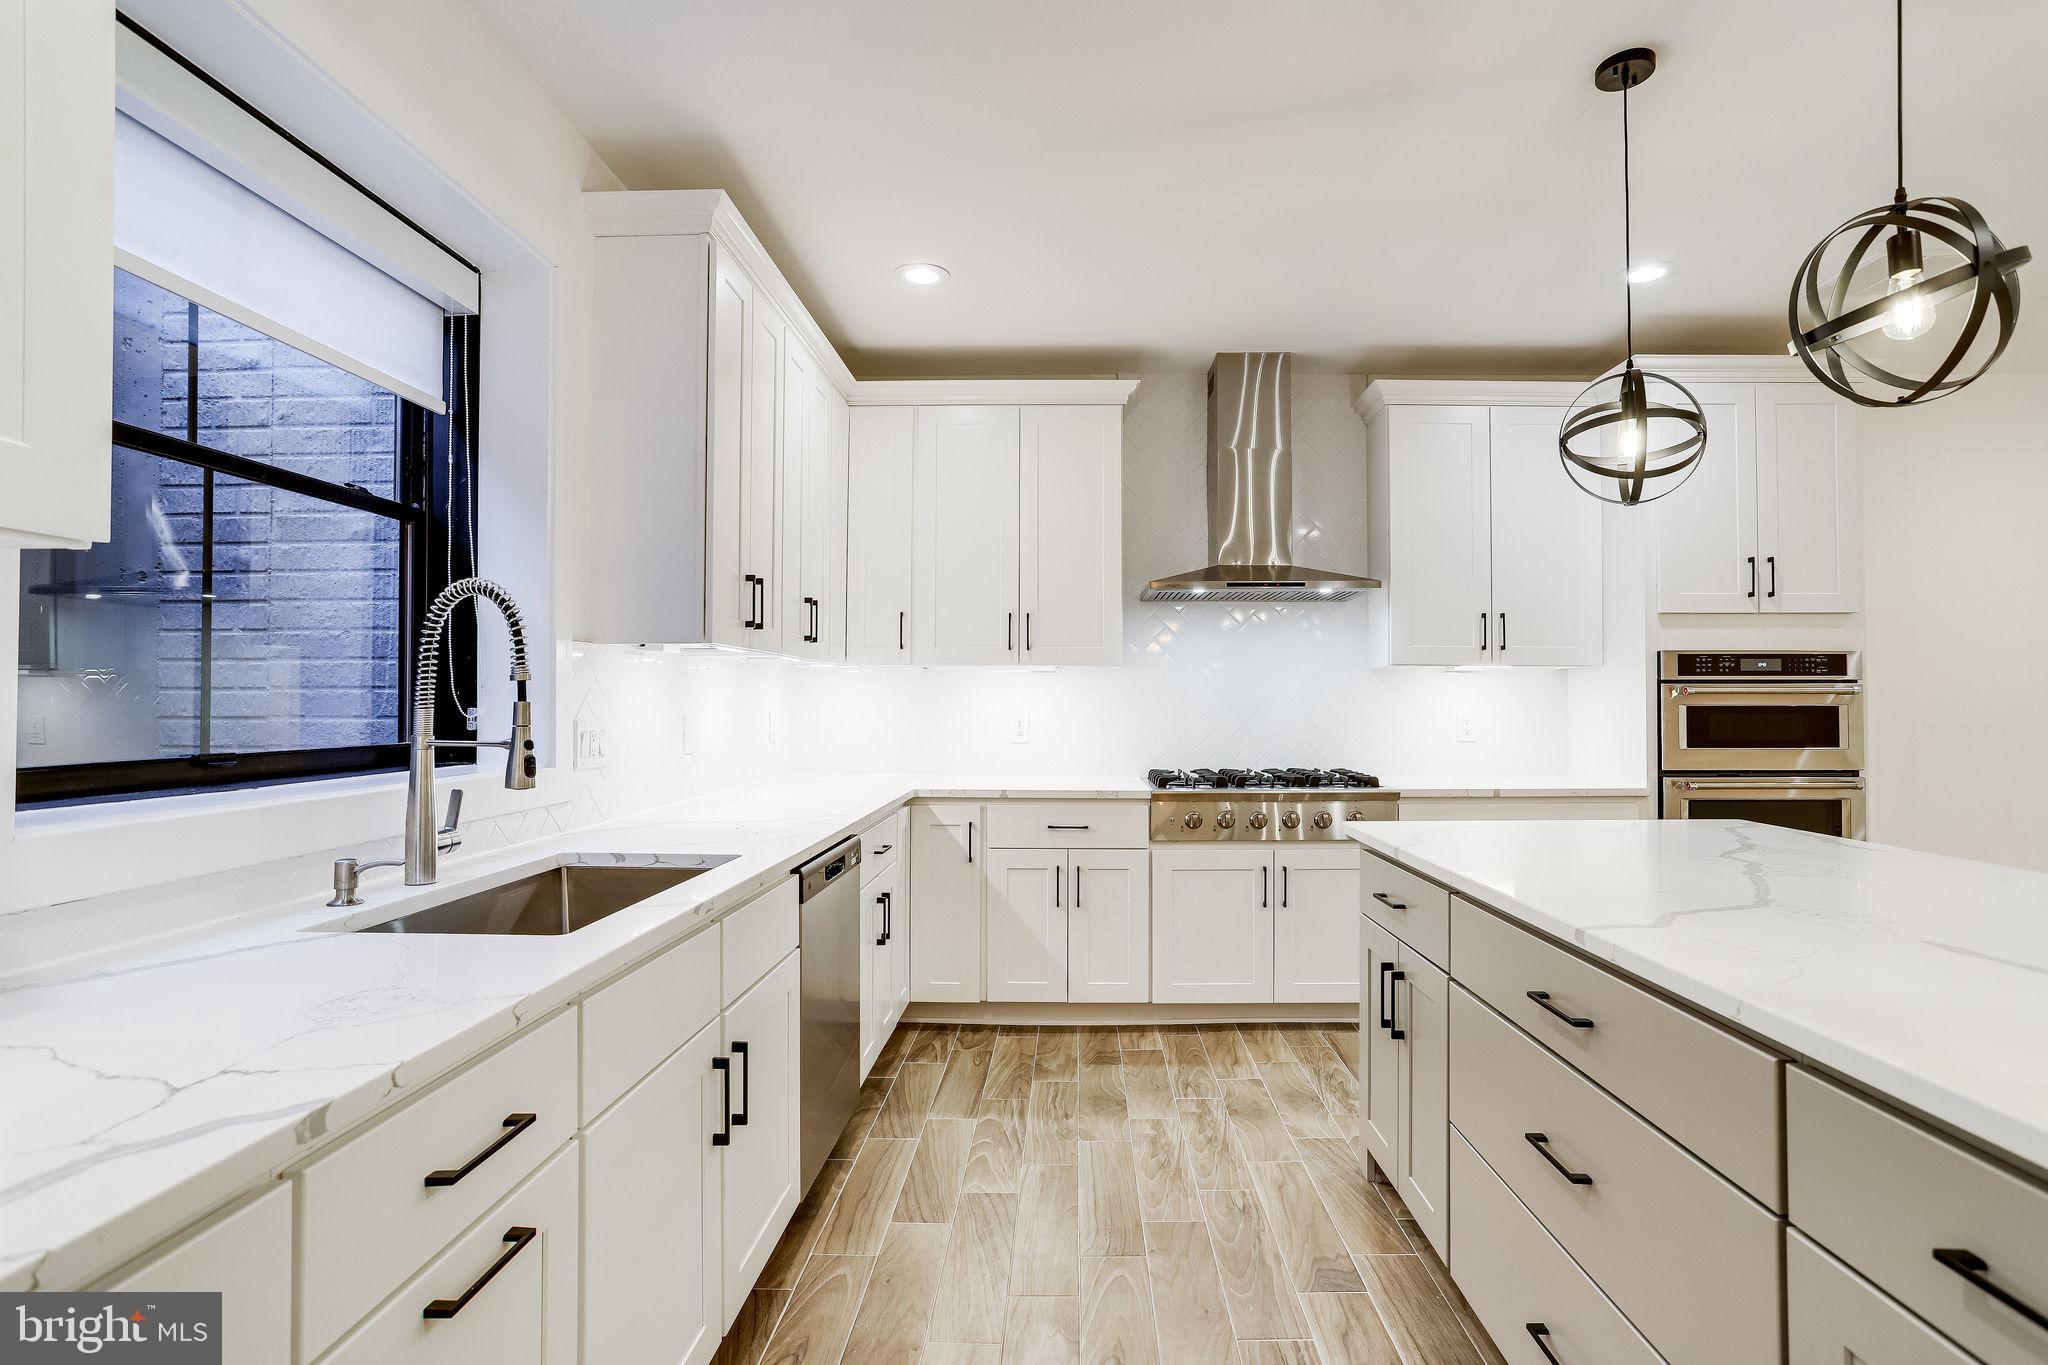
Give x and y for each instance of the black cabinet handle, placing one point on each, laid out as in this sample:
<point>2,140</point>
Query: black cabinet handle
<point>739,1050</point>
<point>1503,630</point>
<point>888,916</point>
<point>1066,826</point>
<point>1772,561</point>
<point>1752,575</point>
<point>1543,998</point>
<point>884,848</point>
<point>1537,1332</point>
<point>448,1308</point>
<point>1010,630</point>
<point>1384,899</point>
<point>1283,886</point>
<point>1059,875</point>
<point>723,1066</point>
<point>1265,876</point>
<point>1485,635</point>
<point>1386,1017</point>
<point>515,1124</point>
<point>883,901</point>
<point>899,629</point>
<point>753,621</point>
<point>1541,1143</point>
<point>1975,1269</point>
<point>1027,632</point>
<point>1394,1030</point>
<point>1077,886</point>
<point>970,841</point>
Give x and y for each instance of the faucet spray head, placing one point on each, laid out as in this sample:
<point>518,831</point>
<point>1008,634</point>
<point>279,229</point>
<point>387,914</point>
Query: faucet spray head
<point>522,767</point>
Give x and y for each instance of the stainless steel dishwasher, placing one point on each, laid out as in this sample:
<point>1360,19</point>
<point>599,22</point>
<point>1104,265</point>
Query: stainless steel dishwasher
<point>829,891</point>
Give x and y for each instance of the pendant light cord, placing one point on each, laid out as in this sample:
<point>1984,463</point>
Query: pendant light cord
<point>1628,258</point>
<point>1899,95</point>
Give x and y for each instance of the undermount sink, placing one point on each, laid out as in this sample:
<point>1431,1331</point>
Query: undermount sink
<point>560,900</point>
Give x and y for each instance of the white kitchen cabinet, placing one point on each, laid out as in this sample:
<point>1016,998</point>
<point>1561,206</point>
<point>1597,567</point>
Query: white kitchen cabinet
<point>1025,925</point>
<point>1421,1005</point>
<point>1546,547</point>
<point>762,1164</point>
<point>965,565</point>
<point>1109,924</point>
<point>653,1222</point>
<point>1212,924</point>
<point>1070,538</point>
<point>885,945</point>
<point>1379,1052</point>
<point>813,456</point>
<point>56,270</point>
<point>1769,522</point>
<point>1490,555</point>
<point>879,535</point>
<point>1315,926</point>
<point>946,848</point>
<point>245,1256</point>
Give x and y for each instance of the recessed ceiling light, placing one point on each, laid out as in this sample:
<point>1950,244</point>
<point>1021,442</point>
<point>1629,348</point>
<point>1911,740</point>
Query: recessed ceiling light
<point>1645,272</point>
<point>922,273</point>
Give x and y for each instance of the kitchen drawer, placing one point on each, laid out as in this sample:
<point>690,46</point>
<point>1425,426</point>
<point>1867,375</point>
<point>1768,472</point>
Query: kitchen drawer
<point>368,1218</point>
<point>1717,1094</point>
<point>880,843</point>
<point>1069,824</point>
<point>1413,909</point>
<point>1835,1315</point>
<point>523,1310</point>
<point>1884,1194</point>
<point>1691,1259</point>
<point>757,936</point>
<point>1515,1275</point>
<point>245,1256</point>
<point>630,1026</point>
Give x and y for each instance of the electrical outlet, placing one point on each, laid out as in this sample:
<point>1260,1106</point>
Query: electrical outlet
<point>35,730</point>
<point>1468,730</point>
<point>589,744</point>
<point>1020,728</point>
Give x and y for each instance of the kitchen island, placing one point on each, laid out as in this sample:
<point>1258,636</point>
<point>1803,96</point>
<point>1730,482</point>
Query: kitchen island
<point>1648,1080</point>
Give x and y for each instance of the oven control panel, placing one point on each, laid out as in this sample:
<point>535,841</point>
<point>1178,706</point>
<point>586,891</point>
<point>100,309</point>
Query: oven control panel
<point>1689,666</point>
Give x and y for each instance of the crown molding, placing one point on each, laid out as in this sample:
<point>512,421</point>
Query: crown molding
<point>925,392</point>
<point>711,213</point>
<point>1380,394</point>
<point>1729,369</point>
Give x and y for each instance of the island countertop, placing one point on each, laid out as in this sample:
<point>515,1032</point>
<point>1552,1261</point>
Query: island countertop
<point>1919,977</point>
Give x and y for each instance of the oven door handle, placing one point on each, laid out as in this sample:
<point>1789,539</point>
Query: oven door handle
<point>1811,691</point>
<point>1766,783</point>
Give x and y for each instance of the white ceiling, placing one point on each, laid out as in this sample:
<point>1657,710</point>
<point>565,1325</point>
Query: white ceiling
<point>1419,188</point>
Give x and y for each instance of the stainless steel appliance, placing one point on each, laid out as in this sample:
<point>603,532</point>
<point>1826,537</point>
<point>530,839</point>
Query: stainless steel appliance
<point>1775,737</point>
<point>828,889</point>
<point>1212,805</point>
<point>1251,495</point>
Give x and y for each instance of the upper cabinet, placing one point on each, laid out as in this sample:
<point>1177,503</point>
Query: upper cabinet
<point>56,270</point>
<point>988,533</point>
<point>814,433</point>
<point>1489,553</point>
<point>1769,521</point>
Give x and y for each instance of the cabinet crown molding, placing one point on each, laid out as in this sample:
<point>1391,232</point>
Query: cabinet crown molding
<point>927,392</point>
<point>1380,394</point>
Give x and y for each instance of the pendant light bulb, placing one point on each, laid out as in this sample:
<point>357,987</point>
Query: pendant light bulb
<point>1628,440</point>
<point>1908,315</point>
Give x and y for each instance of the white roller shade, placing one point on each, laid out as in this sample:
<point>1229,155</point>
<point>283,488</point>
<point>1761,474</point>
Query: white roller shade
<point>181,224</point>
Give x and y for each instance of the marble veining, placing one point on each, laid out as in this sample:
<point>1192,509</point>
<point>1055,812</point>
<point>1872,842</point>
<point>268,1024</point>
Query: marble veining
<point>1921,977</point>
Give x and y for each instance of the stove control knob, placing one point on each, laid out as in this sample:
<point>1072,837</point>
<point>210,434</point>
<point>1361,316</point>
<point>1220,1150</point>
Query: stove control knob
<point>1192,820</point>
<point>1225,820</point>
<point>1355,815</point>
<point>1291,820</point>
<point>1322,820</point>
<point>1257,819</point>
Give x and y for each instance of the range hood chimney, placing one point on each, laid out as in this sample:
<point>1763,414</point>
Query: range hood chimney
<point>1251,494</point>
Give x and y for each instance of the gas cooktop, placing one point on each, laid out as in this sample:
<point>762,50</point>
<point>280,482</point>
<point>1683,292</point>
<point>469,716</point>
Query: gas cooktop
<point>1260,779</point>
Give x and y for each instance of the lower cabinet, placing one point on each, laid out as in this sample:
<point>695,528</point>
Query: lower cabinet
<point>947,846</point>
<point>1067,924</point>
<point>1315,928</point>
<point>652,1217</point>
<point>245,1256</point>
<point>1404,1074</point>
<point>762,1160</point>
<point>1833,1315</point>
<point>1109,924</point>
<point>1025,928</point>
<point>884,963</point>
<point>503,1290</point>
<point>1255,923</point>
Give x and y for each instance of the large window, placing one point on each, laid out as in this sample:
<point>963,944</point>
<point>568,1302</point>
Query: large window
<point>294,480</point>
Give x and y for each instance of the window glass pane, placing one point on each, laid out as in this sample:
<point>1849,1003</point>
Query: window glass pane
<point>278,630</point>
<point>257,397</point>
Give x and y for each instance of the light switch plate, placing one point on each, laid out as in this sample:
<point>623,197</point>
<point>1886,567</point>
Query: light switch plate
<point>35,730</point>
<point>589,744</point>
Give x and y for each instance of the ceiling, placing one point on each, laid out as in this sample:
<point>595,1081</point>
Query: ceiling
<point>1423,189</point>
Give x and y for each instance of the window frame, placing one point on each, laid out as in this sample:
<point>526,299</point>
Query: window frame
<point>436,477</point>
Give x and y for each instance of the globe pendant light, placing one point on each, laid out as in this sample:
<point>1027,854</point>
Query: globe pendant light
<point>1630,436</point>
<point>1853,319</point>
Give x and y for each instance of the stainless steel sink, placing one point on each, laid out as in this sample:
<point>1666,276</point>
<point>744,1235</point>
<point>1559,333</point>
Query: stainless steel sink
<point>560,900</point>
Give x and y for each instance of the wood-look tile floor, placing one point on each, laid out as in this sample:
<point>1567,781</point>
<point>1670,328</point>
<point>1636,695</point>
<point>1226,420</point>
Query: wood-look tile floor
<point>1183,1195</point>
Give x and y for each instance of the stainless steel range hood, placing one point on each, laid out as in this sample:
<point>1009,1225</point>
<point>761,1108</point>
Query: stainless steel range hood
<point>1251,494</point>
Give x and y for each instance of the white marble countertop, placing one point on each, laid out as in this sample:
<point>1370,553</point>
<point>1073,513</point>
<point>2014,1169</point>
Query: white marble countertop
<point>1920,977</point>
<point>146,1086</point>
<point>1510,787</point>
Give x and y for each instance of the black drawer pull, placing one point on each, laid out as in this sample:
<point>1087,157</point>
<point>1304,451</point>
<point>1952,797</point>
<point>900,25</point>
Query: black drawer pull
<point>1067,826</point>
<point>739,1050</point>
<point>882,901</point>
<point>723,1066</point>
<point>888,916</point>
<point>1542,1145</point>
<point>883,849</point>
<point>1575,1020</point>
<point>1384,899</point>
<point>515,1124</point>
<point>1386,1016</point>
<point>1975,1269</point>
<point>1537,1332</point>
<point>1394,1029</point>
<point>448,1308</point>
